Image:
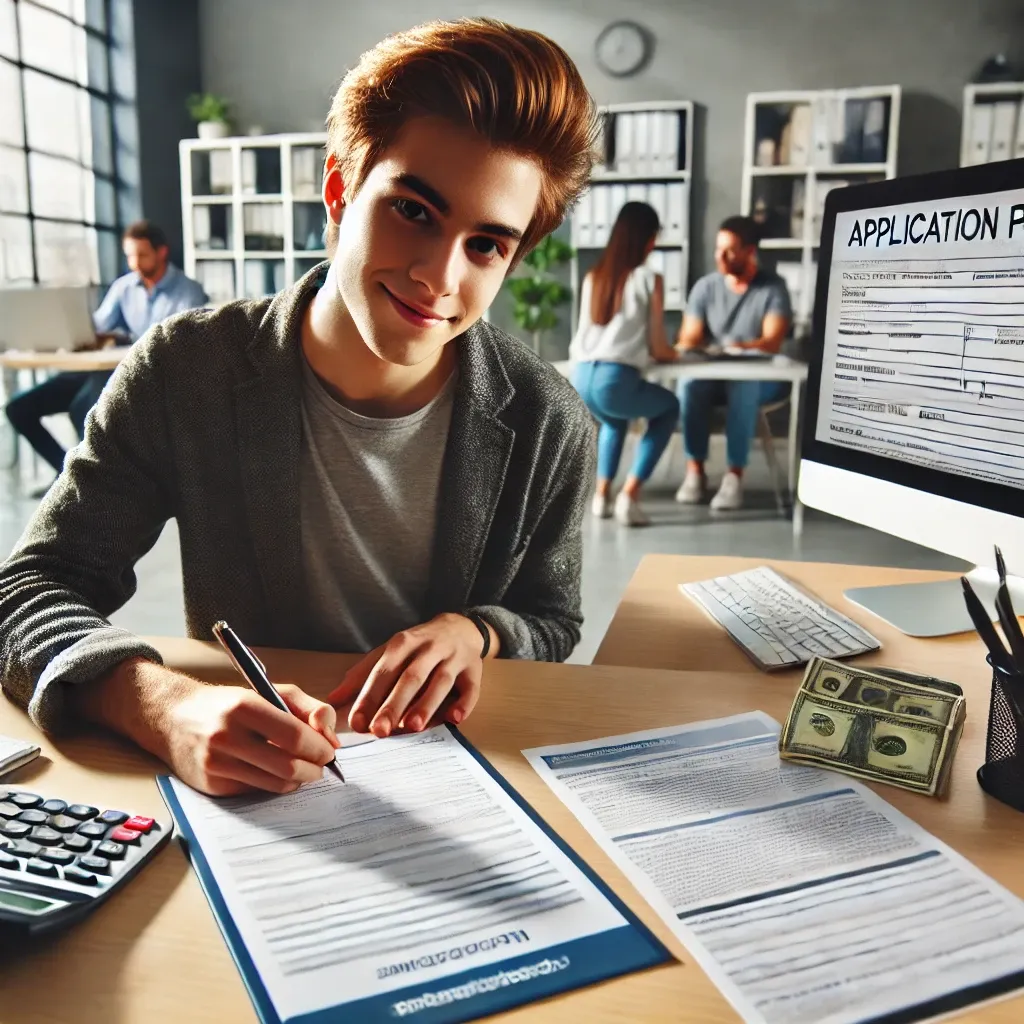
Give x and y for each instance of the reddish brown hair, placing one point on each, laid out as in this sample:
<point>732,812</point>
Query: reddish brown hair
<point>636,225</point>
<point>515,87</point>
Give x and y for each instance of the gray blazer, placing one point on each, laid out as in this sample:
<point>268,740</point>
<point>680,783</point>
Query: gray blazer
<point>201,422</point>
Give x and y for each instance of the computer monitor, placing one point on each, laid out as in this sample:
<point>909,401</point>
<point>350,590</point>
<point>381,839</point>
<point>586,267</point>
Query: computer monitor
<point>45,319</point>
<point>915,413</point>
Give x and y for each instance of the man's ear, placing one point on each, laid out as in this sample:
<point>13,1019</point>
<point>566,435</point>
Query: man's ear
<point>333,189</point>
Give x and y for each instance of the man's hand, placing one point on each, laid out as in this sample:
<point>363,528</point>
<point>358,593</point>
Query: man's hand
<point>404,683</point>
<point>221,740</point>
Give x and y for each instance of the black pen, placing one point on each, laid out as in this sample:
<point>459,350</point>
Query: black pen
<point>983,623</point>
<point>1000,564</point>
<point>254,672</point>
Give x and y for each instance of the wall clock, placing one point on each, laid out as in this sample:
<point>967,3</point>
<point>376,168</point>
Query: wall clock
<point>623,48</point>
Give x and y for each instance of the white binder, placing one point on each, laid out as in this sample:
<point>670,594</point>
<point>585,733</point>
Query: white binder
<point>657,196</point>
<point>656,120</point>
<point>670,143</point>
<point>800,132</point>
<point>1004,124</point>
<point>676,212</point>
<point>602,220</point>
<point>583,221</point>
<point>981,134</point>
<point>624,143</point>
<point>616,201</point>
<point>673,279</point>
<point>636,192</point>
<point>642,142</point>
<point>1018,148</point>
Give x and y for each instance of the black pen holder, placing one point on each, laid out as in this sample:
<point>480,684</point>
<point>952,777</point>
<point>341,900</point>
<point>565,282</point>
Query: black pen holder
<point>1002,774</point>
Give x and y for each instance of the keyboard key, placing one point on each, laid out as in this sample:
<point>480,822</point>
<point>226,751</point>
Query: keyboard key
<point>9,810</point>
<point>64,823</point>
<point>45,836</point>
<point>100,865</point>
<point>23,848</point>
<point>34,817</point>
<point>139,823</point>
<point>40,867</point>
<point>92,829</point>
<point>14,829</point>
<point>123,834</point>
<point>79,877</point>
<point>62,857</point>
<point>77,844</point>
<point>82,811</point>
<point>113,851</point>
<point>11,863</point>
<point>53,806</point>
<point>112,817</point>
<point>24,800</point>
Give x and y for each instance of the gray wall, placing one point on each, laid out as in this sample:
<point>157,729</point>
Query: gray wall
<point>280,62</point>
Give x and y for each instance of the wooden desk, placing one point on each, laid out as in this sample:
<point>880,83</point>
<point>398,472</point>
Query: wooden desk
<point>83,362</point>
<point>154,953</point>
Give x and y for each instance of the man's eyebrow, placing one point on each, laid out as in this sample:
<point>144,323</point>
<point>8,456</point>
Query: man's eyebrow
<point>438,201</point>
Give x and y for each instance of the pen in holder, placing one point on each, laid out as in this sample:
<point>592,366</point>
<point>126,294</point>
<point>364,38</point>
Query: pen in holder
<point>1002,774</point>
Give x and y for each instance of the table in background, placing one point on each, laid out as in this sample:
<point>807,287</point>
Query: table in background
<point>68,362</point>
<point>154,952</point>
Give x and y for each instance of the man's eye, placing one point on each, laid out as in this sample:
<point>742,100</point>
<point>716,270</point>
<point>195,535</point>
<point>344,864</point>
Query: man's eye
<point>409,208</point>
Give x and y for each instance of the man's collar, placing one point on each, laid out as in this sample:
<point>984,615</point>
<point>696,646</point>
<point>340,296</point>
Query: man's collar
<point>170,273</point>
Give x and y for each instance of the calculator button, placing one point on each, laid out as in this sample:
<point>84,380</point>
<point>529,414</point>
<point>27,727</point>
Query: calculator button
<point>53,806</point>
<point>14,829</point>
<point>40,867</point>
<point>82,811</point>
<point>115,851</point>
<point>63,823</point>
<point>9,810</point>
<point>23,848</point>
<point>11,863</point>
<point>121,834</point>
<point>61,857</point>
<point>34,817</point>
<point>139,823</point>
<point>98,864</point>
<point>112,817</point>
<point>81,877</point>
<point>92,829</point>
<point>25,799</point>
<point>79,844</point>
<point>45,836</point>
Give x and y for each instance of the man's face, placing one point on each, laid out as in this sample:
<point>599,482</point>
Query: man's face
<point>424,245</point>
<point>731,255</point>
<point>143,258</point>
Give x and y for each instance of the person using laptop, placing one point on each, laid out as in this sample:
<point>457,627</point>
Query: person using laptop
<point>739,308</point>
<point>151,291</point>
<point>359,463</point>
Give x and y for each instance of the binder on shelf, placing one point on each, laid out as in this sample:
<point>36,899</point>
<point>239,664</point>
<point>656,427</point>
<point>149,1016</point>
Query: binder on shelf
<point>1018,147</point>
<point>624,143</point>
<point>821,131</point>
<point>1004,124</point>
<point>672,128</point>
<point>874,145</point>
<point>852,150</point>
<point>656,121</point>
<point>220,172</point>
<point>673,279</point>
<point>603,140</point>
<point>617,196</point>
<point>636,192</point>
<point>201,227</point>
<point>797,208</point>
<point>248,171</point>
<point>642,142</point>
<point>657,196</point>
<point>981,134</point>
<point>583,220</point>
<point>602,221</point>
<point>675,192</point>
<point>795,149</point>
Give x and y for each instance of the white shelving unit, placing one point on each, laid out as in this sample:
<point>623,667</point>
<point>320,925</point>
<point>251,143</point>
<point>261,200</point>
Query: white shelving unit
<point>799,146</point>
<point>993,123</point>
<point>252,213</point>
<point>648,156</point>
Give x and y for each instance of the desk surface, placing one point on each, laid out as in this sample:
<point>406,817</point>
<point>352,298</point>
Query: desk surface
<point>128,961</point>
<point>781,368</point>
<point>100,359</point>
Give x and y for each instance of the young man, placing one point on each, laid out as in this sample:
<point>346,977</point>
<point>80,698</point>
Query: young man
<point>153,290</point>
<point>738,307</point>
<point>359,463</point>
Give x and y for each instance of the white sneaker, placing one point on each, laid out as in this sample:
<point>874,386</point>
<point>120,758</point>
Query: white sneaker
<point>601,506</point>
<point>693,490</point>
<point>629,513</point>
<point>730,494</point>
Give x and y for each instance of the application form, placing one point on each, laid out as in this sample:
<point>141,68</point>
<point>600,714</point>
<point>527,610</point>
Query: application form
<point>375,892</point>
<point>923,357</point>
<point>805,897</point>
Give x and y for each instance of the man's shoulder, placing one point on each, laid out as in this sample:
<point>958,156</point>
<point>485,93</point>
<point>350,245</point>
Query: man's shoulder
<point>708,284</point>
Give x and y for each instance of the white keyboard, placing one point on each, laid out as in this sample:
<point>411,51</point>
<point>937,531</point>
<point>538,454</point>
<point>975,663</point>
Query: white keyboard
<point>777,624</point>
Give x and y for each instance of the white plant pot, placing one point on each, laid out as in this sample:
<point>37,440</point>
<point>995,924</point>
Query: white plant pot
<point>212,130</point>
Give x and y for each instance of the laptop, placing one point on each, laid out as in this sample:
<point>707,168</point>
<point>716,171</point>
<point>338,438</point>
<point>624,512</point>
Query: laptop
<point>45,319</point>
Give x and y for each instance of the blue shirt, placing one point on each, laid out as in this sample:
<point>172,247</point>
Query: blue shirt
<point>130,307</point>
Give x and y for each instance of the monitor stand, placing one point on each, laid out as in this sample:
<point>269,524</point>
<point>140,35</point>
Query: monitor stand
<point>935,609</point>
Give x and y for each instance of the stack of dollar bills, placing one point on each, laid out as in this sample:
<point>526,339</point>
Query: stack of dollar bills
<point>884,725</point>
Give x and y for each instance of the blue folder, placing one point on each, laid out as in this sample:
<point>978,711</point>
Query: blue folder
<point>469,994</point>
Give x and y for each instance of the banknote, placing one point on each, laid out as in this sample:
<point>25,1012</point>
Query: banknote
<point>874,726</point>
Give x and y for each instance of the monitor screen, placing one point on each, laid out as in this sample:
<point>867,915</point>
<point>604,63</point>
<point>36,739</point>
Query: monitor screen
<point>918,375</point>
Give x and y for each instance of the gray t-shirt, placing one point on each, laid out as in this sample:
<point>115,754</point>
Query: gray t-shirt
<point>368,509</point>
<point>713,301</point>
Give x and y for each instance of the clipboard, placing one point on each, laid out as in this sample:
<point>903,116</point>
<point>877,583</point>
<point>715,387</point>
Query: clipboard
<point>464,995</point>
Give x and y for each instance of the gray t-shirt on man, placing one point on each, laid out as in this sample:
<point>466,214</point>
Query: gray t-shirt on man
<point>714,302</point>
<point>368,492</point>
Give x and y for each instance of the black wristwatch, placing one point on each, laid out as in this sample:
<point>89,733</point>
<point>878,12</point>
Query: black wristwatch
<point>480,624</point>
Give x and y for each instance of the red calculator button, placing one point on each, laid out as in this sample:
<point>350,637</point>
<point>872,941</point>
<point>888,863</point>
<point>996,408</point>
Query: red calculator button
<point>139,823</point>
<point>123,835</point>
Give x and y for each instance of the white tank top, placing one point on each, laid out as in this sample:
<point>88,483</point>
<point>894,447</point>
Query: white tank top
<point>624,338</point>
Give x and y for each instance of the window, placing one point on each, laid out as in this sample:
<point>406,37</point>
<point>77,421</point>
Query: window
<point>59,221</point>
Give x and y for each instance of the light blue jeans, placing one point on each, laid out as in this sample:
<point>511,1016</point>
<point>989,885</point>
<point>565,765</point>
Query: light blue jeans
<point>616,394</point>
<point>742,398</point>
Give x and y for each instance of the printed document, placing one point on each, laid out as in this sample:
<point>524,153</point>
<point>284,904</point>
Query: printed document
<point>419,867</point>
<point>805,897</point>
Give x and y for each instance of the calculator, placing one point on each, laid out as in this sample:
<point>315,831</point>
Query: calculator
<point>59,860</point>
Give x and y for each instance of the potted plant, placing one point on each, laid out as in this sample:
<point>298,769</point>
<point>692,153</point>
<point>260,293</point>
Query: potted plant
<point>537,295</point>
<point>210,114</point>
